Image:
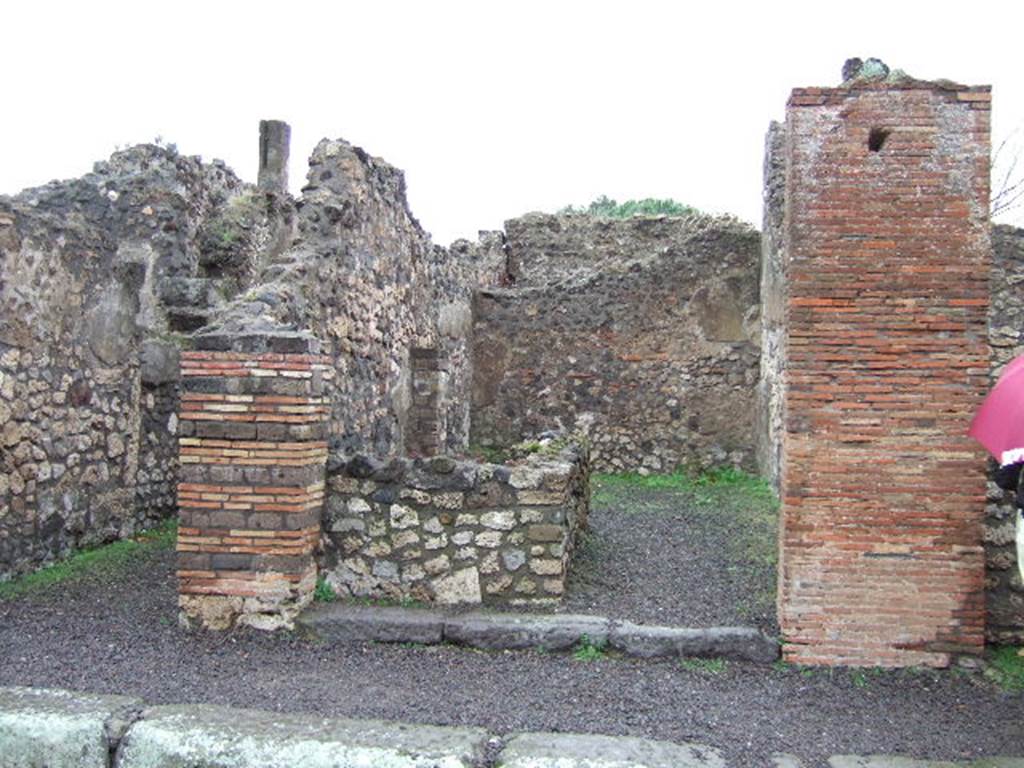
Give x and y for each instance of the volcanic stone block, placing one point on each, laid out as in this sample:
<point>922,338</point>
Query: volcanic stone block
<point>60,729</point>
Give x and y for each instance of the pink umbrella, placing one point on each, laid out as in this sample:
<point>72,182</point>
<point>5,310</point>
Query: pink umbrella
<point>999,423</point>
<point>999,426</point>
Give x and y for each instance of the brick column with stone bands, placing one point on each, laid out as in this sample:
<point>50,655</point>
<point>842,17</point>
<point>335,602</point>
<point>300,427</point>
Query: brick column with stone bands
<point>253,451</point>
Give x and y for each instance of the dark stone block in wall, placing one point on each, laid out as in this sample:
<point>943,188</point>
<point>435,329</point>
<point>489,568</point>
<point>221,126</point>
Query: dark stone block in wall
<point>283,342</point>
<point>159,362</point>
<point>386,495</point>
<point>282,563</point>
<point>193,561</point>
<point>267,521</point>
<point>231,562</point>
<point>392,472</point>
<point>228,430</point>
<point>363,466</point>
<point>272,431</point>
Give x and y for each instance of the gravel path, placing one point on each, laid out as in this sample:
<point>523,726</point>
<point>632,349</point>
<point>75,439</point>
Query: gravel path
<point>115,633</point>
<point>691,558</point>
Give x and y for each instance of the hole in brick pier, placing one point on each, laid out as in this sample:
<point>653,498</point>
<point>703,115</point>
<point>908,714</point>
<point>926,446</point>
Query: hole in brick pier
<point>877,138</point>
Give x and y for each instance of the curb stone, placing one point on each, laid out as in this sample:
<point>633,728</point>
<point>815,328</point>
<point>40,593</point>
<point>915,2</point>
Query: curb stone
<point>64,729</point>
<point>520,631</point>
<point>738,643</point>
<point>576,750</point>
<point>895,761</point>
<point>511,631</point>
<point>359,623</point>
<point>61,729</point>
<point>222,737</point>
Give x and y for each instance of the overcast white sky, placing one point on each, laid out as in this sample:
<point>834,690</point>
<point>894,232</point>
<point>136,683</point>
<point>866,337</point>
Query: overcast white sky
<point>491,108</point>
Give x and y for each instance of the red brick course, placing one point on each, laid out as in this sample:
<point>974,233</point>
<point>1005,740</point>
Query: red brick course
<point>887,263</point>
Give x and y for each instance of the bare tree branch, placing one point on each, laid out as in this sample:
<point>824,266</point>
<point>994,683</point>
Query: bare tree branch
<point>1008,189</point>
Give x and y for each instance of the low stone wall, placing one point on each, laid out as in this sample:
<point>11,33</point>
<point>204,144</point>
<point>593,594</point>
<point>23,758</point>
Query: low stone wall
<point>446,531</point>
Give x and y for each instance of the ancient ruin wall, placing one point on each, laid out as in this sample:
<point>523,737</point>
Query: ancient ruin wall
<point>85,424</point>
<point>1004,589</point>
<point>641,333</point>
<point>888,257</point>
<point>364,278</point>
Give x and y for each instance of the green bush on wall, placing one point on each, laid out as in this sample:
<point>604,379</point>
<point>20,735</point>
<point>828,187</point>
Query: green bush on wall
<point>605,207</point>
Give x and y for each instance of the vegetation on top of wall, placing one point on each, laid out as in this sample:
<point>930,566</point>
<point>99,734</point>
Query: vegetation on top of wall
<point>607,208</point>
<point>104,560</point>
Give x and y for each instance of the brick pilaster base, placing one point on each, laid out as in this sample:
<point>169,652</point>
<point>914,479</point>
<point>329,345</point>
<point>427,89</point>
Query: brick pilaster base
<point>253,456</point>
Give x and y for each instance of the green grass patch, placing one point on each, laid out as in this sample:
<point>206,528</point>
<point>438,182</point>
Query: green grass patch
<point>742,507</point>
<point>589,650</point>
<point>605,207</point>
<point>733,497</point>
<point>324,592</point>
<point>704,666</point>
<point>1006,668</point>
<point>105,560</point>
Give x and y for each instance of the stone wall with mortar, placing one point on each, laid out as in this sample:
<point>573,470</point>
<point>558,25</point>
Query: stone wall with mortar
<point>642,333</point>
<point>887,260</point>
<point>152,247</point>
<point>87,437</point>
<point>445,531</point>
<point>1004,589</point>
<point>364,277</point>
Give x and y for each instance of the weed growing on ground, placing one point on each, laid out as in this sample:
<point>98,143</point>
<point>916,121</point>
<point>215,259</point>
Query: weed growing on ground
<point>1006,668</point>
<point>324,592</point>
<point>589,650</point>
<point>107,559</point>
<point>704,666</point>
<point>386,602</point>
<point>859,678</point>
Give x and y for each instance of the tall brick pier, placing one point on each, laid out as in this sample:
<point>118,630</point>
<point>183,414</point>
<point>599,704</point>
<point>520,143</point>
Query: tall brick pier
<point>253,457</point>
<point>885,268</point>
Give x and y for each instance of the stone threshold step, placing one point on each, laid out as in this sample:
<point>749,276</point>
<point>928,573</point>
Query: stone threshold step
<point>346,623</point>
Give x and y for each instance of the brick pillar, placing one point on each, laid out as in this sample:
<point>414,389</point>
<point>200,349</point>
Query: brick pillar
<point>426,435</point>
<point>253,457</point>
<point>886,292</point>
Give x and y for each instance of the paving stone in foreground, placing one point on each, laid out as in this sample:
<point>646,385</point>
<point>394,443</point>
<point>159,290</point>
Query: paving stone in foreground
<point>512,631</point>
<point>220,737</point>
<point>60,729</point>
<point>887,761</point>
<point>570,750</point>
<point>358,623</point>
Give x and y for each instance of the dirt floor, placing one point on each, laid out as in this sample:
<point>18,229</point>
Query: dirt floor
<point>113,630</point>
<point>667,550</point>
